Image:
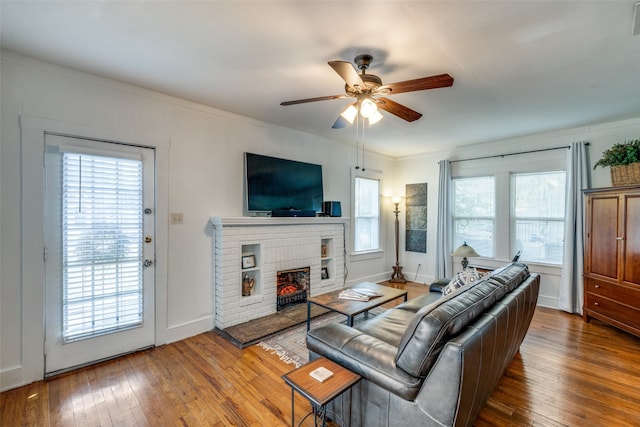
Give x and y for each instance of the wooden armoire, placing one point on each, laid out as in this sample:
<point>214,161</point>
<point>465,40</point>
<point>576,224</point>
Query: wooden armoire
<point>612,257</point>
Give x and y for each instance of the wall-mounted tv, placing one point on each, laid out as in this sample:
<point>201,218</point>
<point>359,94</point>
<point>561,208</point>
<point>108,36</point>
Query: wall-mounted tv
<point>275,184</point>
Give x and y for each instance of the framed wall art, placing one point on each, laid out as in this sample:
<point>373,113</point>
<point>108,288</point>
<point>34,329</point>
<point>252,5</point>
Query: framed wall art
<point>248,261</point>
<point>416,218</point>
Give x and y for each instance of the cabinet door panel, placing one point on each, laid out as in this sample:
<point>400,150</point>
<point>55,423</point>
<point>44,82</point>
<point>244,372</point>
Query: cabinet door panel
<point>631,272</point>
<point>603,246</point>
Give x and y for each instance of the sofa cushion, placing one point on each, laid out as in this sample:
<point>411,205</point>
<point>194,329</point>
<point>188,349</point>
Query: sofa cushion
<point>511,275</point>
<point>461,279</point>
<point>388,326</point>
<point>433,324</point>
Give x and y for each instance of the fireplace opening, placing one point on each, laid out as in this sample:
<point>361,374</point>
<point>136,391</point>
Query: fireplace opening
<point>293,286</point>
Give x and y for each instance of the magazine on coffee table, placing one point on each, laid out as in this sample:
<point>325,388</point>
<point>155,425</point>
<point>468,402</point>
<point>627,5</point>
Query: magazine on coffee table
<point>359,294</point>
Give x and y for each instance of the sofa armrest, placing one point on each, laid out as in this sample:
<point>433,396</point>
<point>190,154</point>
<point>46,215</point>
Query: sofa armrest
<point>365,355</point>
<point>437,285</point>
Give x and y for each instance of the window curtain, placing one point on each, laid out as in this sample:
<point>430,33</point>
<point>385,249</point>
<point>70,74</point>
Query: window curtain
<point>443,233</point>
<point>571,294</point>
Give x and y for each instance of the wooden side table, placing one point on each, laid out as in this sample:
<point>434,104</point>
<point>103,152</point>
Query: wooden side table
<point>319,393</point>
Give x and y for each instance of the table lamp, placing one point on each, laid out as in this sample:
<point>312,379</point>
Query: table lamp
<point>465,251</point>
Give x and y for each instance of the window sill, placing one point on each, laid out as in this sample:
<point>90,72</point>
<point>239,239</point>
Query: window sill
<point>363,256</point>
<point>533,266</point>
<point>552,269</point>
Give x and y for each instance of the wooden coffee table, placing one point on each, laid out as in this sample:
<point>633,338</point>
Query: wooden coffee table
<point>351,308</point>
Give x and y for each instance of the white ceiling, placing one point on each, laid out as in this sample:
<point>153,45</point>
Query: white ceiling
<point>520,67</point>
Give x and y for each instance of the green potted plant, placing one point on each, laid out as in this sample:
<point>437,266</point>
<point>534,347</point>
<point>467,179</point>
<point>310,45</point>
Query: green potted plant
<point>624,160</point>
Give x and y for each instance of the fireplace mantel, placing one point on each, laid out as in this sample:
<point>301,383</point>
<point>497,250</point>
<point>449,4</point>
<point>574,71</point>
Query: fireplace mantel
<point>269,245</point>
<point>248,221</point>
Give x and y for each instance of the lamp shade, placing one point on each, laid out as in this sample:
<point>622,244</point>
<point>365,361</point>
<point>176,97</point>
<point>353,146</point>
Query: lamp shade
<point>350,113</point>
<point>368,108</point>
<point>375,118</point>
<point>465,250</point>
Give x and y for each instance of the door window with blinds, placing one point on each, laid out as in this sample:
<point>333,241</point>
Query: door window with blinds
<point>101,244</point>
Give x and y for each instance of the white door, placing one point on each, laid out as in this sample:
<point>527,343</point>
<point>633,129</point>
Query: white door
<point>99,254</point>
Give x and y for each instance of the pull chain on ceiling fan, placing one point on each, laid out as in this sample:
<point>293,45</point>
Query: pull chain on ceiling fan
<point>371,94</point>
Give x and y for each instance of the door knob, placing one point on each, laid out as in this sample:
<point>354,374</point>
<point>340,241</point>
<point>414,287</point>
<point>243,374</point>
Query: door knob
<point>147,263</point>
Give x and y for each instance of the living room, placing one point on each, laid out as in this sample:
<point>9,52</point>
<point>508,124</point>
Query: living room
<point>199,155</point>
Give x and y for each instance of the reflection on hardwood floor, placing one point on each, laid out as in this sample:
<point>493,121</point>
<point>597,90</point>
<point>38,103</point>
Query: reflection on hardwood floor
<point>568,373</point>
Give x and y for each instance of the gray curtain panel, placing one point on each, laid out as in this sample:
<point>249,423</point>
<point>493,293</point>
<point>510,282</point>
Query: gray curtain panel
<point>571,294</point>
<point>444,266</point>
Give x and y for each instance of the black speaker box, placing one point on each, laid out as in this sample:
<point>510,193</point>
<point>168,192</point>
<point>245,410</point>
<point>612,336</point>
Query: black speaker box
<point>332,209</point>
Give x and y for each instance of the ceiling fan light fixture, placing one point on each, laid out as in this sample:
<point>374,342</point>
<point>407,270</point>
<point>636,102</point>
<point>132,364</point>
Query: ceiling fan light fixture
<point>375,118</point>
<point>349,114</point>
<point>370,94</point>
<point>368,108</point>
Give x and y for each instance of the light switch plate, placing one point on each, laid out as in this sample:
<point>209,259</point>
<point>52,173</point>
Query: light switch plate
<point>177,218</point>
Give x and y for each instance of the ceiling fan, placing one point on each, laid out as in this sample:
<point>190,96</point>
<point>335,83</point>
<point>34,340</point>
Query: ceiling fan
<point>370,94</point>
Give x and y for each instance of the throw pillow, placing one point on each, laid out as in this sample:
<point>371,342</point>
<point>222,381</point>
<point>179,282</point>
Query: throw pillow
<point>461,279</point>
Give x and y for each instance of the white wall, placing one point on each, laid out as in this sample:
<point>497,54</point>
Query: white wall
<point>201,167</point>
<point>419,267</point>
<point>425,169</point>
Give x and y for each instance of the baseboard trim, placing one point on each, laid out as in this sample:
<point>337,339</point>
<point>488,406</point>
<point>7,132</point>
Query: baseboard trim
<point>548,302</point>
<point>188,329</point>
<point>12,377</point>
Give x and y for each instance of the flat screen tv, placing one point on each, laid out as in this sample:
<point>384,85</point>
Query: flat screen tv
<point>274,184</point>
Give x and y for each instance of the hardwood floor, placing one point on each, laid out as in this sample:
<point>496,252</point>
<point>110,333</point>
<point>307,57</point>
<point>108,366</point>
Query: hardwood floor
<point>568,373</point>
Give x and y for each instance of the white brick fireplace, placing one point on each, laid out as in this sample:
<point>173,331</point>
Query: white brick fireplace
<point>256,248</point>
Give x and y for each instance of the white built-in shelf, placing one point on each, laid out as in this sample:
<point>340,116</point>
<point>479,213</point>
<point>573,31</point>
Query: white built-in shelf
<point>250,252</point>
<point>327,269</point>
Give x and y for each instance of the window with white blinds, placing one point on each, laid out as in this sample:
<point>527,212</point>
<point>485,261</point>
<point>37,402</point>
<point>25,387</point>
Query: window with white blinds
<point>367,214</point>
<point>101,245</point>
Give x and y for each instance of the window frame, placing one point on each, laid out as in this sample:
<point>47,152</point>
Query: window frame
<point>369,253</point>
<point>502,169</point>
<point>514,218</point>
<point>82,236</point>
<point>492,219</point>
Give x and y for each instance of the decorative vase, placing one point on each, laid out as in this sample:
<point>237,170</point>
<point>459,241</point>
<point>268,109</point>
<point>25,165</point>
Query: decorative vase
<point>247,286</point>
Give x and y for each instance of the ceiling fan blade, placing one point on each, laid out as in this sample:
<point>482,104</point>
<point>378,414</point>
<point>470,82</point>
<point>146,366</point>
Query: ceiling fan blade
<point>399,110</point>
<point>348,74</point>
<point>339,123</point>
<point>320,98</point>
<point>433,82</point>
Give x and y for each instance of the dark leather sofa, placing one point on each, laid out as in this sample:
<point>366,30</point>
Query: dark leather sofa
<point>433,360</point>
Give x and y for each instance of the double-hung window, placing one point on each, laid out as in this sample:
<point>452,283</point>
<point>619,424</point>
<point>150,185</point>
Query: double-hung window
<point>538,215</point>
<point>474,213</point>
<point>366,214</point>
